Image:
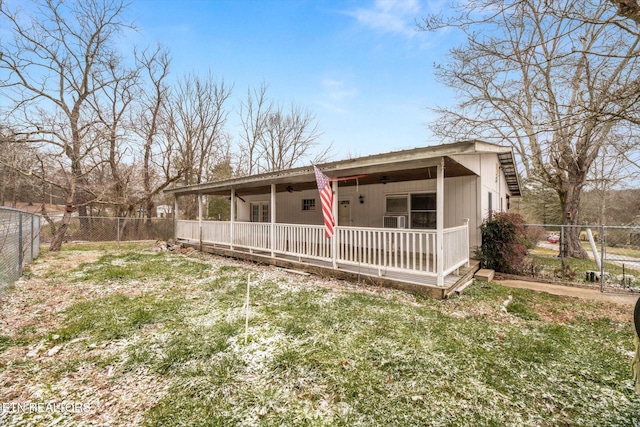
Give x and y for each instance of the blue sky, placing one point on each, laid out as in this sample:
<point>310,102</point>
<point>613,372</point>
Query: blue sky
<point>359,66</point>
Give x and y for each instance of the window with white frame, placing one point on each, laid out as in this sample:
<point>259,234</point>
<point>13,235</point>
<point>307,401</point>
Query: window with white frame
<point>419,207</point>
<point>260,212</point>
<point>308,204</point>
<point>397,205</point>
<point>423,211</point>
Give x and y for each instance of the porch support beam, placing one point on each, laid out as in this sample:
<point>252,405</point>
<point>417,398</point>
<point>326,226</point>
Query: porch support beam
<point>200,220</point>
<point>334,238</point>
<point>272,228</point>
<point>175,217</point>
<point>233,217</point>
<point>440,222</point>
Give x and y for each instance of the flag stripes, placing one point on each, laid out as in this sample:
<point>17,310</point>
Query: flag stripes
<point>326,198</point>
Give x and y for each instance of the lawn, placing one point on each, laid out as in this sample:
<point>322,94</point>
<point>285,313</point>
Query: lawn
<point>545,263</point>
<point>129,336</point>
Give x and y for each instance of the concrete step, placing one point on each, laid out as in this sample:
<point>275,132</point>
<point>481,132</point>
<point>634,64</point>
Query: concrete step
<point>484,275</point>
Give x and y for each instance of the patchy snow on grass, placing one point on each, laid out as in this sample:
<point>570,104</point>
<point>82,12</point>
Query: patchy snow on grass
<point>263,342</point>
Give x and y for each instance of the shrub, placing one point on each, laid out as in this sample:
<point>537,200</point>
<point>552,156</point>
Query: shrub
<point>503,243</point>
<point>534,235</point>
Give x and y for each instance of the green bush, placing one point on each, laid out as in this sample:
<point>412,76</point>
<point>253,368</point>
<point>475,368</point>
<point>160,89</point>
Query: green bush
<point>503,243</point>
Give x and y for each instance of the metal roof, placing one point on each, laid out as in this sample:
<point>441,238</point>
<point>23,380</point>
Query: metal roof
<point>404,165</point>
<point>510,172</point>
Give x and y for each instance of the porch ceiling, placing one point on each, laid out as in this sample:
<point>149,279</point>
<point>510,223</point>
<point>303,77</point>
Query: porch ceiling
<point>305,180</point>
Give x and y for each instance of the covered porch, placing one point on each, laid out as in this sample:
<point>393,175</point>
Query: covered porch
<point>382,255</point>
<point>411,217</point>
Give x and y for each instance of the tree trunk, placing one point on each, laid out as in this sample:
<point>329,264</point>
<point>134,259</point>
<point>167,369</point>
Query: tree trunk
<point>151,210</point>
<point>570,203</point>
<point>61,230</point>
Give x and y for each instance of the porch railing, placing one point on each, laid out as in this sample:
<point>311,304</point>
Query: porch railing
<point>393,249</point>
<point>456,248</point>
<point>251,235</point>
<point>412,251</point>
<point>188,230</point>
<point>305,241</point>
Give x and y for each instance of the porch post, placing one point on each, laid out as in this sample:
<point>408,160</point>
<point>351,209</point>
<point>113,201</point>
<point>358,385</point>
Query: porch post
<point>440,222</point>
<point>175,219</point>
<point>334,238</point>
<point>466,239</point>
<point>233,217</point>
<point>200,220</point>
<point>272,228</point>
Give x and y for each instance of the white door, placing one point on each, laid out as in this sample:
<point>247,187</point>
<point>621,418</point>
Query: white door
<point>344,212</point>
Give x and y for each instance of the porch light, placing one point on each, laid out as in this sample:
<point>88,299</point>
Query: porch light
<point>289,189</point>
<point>384,179</point>
<point>361,198</point>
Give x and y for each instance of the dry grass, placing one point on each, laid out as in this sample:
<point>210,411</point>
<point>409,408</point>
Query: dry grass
<point>143,338</point>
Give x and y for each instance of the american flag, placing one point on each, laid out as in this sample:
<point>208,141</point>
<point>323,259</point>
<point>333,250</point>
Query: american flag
<point>326,197</point>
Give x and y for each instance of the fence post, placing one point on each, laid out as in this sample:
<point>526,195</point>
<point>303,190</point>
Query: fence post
<point>602,257</point>
<point>118,231</point>
<point>20,244</point>
<point>31,240</point>
<point>562,248</point>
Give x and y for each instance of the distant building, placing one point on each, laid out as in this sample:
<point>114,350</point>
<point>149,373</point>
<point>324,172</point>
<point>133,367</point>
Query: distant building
<point>164,211</point>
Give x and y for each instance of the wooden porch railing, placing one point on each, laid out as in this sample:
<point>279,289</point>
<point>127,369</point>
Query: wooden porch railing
<point>456,248</point>
<point>412,251</point>
<point>305,241</point>
<point>402,250</point>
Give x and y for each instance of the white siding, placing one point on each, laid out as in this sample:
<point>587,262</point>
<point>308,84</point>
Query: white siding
<point>460,202</point>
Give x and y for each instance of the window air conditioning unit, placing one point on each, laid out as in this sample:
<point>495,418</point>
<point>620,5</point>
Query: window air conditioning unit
<point>394,221</point>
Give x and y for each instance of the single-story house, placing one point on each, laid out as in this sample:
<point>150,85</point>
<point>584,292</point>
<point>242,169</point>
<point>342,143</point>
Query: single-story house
<point>164,211</point>
<point>410,219</point>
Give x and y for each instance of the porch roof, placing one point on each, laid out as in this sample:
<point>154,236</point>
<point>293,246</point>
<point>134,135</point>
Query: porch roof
<point>398,166</point>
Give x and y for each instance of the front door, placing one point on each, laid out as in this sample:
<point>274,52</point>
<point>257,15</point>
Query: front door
<point>344,212</point>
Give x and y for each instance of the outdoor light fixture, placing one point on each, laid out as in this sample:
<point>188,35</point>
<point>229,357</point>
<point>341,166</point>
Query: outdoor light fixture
<point>361,198</point>
<point>289,189</point>
<point>384,179</point>
<point>238,197</point>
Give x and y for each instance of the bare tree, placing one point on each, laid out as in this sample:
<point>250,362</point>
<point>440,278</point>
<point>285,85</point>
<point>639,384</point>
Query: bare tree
<point>253,115</point>
<point>553,85</point>
<point>273,138</point>
<point>57,60</point>
<point>628,8</point>
<point>112,105</point>
<point>288,138</point>
<point>16,156</point>
<point>157,150</point>
<point>197,119</point>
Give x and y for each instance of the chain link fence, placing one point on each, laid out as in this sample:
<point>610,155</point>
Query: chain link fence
<point>19,243</point>
<point>612,260</point>
<point>109,229</point>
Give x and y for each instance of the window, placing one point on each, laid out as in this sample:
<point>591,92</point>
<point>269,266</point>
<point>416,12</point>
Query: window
<point>423,211</point>
<point>308,204</point>
<point>397,205</point>
<point>490,205</point>
<point>260,212</point>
